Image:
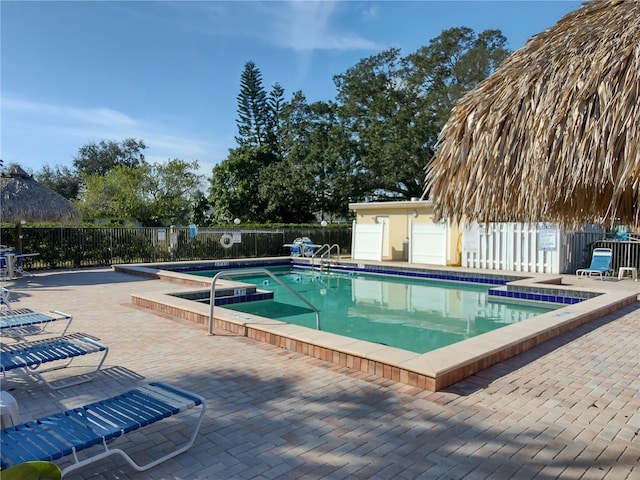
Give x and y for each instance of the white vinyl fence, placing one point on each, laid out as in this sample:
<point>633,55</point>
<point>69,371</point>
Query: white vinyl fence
<point>428,243</point>
<point>523,247</point>
<point>367,240</point>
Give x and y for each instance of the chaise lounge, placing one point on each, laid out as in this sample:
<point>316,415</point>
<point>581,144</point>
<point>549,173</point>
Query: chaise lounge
<point>600,264</point>
<point>24,322</point>
<point>41,356</point>
<point>67,433</point>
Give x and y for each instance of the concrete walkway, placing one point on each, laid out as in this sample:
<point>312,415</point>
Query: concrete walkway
<point>567,409</point>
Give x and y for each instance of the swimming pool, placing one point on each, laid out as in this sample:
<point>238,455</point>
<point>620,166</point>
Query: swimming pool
<point>413,314</point>
<point>433,370</point>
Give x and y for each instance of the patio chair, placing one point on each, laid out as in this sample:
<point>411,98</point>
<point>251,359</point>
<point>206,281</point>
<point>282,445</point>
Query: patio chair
<point>600,264</point>
<point>5,307</point>
<point>302,247</point>
<point>4,266</point>
<point>42,356</point>
<point>12,262</point>
<point>19,263</point>
<point>66,433</point>
<point>24,322</point>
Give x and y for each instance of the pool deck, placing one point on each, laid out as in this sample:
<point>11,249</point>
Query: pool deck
<point>568,408</point>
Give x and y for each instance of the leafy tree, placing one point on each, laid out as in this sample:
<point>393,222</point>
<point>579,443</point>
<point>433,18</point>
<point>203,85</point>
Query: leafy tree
<point>60,179</point>
<point>101,158</point>
<point>296,160</point>
<point>118,194</point>
<point>285,194</point>
<point>234,184</point>
<point>200,209</point>
<point>393,107</point>
<point>285,188</point>
<point>452,64</point>
<point>252,119</point>
<point>154,195</point>
<point>383,118</point>
<point>317,175</point>
<point>235,189</point>
<point>172,188</point>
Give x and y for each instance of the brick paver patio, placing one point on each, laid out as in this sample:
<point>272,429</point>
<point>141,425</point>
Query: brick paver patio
<point>567,409</point>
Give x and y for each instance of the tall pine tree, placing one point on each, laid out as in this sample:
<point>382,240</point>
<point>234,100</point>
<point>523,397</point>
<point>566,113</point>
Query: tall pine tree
<point>275,103</point>
<point>253,115</point>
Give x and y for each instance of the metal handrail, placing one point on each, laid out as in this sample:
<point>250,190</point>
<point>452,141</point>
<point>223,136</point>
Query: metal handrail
<point>325,250</point>
<point>328,252</point>
<point>326,246</point>
<point>246,271</point>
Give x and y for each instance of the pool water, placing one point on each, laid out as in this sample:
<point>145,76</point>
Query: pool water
<point>412,314</point>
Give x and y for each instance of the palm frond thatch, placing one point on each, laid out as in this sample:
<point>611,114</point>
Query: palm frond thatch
<point>554,134</point>
<point>24,199</point>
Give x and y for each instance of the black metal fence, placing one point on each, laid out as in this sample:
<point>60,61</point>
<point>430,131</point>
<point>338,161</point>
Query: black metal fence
<point>74,247</point>
<point>624,253</point>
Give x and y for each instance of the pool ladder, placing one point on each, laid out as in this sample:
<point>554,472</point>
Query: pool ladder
<point>323,254</point>
<point>246,271</point>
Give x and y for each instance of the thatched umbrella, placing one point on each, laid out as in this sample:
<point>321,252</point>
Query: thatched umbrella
<point>554,134</point>
<point>22,199</point>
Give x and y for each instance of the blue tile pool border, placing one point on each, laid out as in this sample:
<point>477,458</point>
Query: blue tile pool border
<point>516,292</point>
<point>226,265</point>
<point>500,282</point>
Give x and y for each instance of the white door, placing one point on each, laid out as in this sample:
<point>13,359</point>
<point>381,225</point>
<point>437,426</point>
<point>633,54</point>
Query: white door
<point>384,221</point>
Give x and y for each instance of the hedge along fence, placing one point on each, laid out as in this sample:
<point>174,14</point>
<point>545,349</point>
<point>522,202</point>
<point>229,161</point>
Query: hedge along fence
<point>74,247</point>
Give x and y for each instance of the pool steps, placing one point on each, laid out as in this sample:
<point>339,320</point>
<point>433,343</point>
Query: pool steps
<point>228,296</point>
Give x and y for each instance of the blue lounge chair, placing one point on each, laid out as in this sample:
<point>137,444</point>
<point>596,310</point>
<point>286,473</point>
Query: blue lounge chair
<point>24,322</point>
<point>600,264</point>
<point>66,433</point>
<point>41,356</point>
<point>302,247</point>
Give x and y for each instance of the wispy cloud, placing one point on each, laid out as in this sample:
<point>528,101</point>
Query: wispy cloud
<point>309,26</point>
<point>369,12</point>
<point>97,116</point>
<point>295,25</point>
<point>69,127</point>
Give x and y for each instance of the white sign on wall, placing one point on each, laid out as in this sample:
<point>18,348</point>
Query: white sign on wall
<point>547,238</point>
<point>471,238</point>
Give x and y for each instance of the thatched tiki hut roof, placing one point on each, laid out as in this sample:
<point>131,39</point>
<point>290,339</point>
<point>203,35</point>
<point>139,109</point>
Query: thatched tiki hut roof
<point>554,134</point>
<point>24,199</point>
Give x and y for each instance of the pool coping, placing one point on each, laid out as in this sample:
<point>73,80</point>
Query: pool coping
<point>434,370</point>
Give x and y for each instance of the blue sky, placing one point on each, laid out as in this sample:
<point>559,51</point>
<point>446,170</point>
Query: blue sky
<point>168,73</point>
